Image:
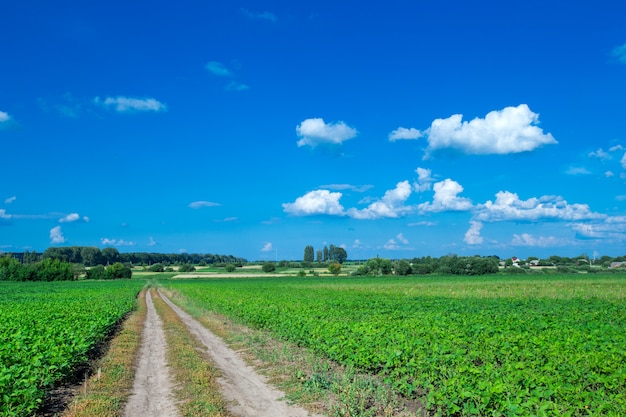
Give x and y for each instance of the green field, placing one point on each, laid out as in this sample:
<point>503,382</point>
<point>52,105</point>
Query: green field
<point>48,328</point>
<point>514,346</point>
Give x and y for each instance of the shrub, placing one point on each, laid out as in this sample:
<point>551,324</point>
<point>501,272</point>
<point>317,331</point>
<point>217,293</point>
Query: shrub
<point>118,271</point>
<point>230,267</point>
<point>96,272</point>
<point>186,268</point>
<point>334,268</point>
<point>156,268</point>
<point>269,267</point>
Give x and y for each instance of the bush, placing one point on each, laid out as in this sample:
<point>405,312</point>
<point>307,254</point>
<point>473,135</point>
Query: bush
<point>96,272</point>
<point>334,268</point>
<point>230,268</point>
<point>186,268</point>
<point>156,268</point>
<point>118,271</point>
<point>269,267</point>
<point>402,267</point>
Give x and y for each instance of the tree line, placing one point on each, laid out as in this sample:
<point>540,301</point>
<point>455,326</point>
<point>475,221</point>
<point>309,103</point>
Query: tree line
<point>11,269</point>
<point>328,254</point>
<point>92,256</point>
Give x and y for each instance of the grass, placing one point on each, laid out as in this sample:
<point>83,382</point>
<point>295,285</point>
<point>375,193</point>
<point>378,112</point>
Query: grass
<point>104,394</point>
<point>197,390</point>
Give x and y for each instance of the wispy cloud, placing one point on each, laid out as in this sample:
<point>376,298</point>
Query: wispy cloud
<point>619,53</point>
<point>506,131</point>
<point>200,204</point>
<point>314,132</point>
<point>152,242</point>
<point>577,171</point>
<point>4,215</point>
<point>267,247</point>
<point>402,133</point>
<point>130,104</point>
<point>525,239</point>
<point>267,16</point>
<point>115,242</point>
<point>56,235</point>
<point>73,217</point>
<point>341,187</point>
<point>4,117</point>
<point>10,200</point>
<point>600,154</point>
<point>236,86</point>
<point>219,69</point>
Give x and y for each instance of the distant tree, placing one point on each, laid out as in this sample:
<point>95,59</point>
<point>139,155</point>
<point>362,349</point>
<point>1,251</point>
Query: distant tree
<point>156,268</point>
<point>309,253</point>
<point>269,267</point>
<point>319,255</point>
<point>334,268</point>
<point>91,256</point>
<point>326,254</point>
<point>96,272</point>
<point>402,267</point>
<point>186,268</point>
<point>110,255</point>
<point>338,254</point>
<point>118,271</point>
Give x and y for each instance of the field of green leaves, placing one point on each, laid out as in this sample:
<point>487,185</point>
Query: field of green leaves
<point>488,346</point>
<point>47,329</point>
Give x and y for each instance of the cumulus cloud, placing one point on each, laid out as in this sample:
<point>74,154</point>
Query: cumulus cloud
<point>623,161</point>
<point>391,245</point>
<point>219,69</point>
<point>446,198</point>
<point>472,236</point>
<point>510,130</point>
<point>9,200</point>
<point>509,207</point>
<point>314,132</point>
<point>390,205</point>
<point>268,16</point>
<point>315,202</point>
<point>56,235</point>
<point>619,53</point>
<point>616,148</point>
<point>402,239</point>
<point>4,215</point>
<point>130,104</point>
<point>267,247</point>
<point>424,179</point>
<point>115,242</point>
<point>4,117</point>
<point>200,204</point>
<point>600,154</point>
<point>609,174</point>
<point>402,133</point>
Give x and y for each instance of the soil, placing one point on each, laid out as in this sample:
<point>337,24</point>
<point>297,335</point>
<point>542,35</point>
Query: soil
<point>248,393</point>
<point>152,389</point>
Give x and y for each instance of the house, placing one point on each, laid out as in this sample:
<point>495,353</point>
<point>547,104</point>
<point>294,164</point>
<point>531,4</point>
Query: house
<point>617,265</point>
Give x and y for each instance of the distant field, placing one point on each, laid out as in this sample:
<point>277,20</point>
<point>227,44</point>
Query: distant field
<point>492,345</point>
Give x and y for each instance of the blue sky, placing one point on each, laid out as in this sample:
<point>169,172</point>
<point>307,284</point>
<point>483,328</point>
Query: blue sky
<point>397,129</point>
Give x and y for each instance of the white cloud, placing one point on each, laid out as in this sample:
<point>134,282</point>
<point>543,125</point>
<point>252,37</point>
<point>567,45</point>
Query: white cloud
<point>152,242</point>
<point>270,17</point>
<point>600,154</point>
<point>219,69</point>
<point>402,133</point>
<point>56,235</point>
<point>447,198</point>
<point>4,215</point>
<point>424,179</point>
<point>577,171</point>
<point>72,217</point>
<point>130,105</point>
<point>526,239</point>
<point>472,236</point>
<point>314,132</point>
<point>510,130</point>
<point>616,148</point>
<point>267,247</point>
<point>116,242</point>
<point>4,117</point>
<point>10,200</point>
<point>391,245</point>
<point>619,53</point>
<point>236,86</point>
<point>315,202</point>
<point>423,223</point>
<point>609,174</point>
<point>623,161</point>
<point>390,205</point>
<point>402,239</point>
<point>508,206</point>
<point>200,204</point>
<point>357,244</point>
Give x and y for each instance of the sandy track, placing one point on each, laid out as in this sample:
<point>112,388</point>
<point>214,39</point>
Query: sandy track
<point>152,388</point>
<point>247,392</point>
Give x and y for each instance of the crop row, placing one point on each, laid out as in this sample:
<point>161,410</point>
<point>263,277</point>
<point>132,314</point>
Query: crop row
<point>48,329</point>
<point>513,349</point>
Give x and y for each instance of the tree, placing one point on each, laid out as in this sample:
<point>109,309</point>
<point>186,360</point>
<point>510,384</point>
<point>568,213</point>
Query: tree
<point>309,254</point>
<point>319,255</point>
<point>334,268</point>
<point>269,267</point>
<point>110,255</point>
<point>402,267</point>
<point>91,255</point>
<point>325,253</point>
<point>118,271</point>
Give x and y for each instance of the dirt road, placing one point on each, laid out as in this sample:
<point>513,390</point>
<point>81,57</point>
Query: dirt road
<point>248,393</point>
<point>152,389</point>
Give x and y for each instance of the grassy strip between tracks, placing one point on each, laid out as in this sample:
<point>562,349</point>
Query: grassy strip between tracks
<point>197,391</point>
<point>313,382</point>
<point>105,393</point>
